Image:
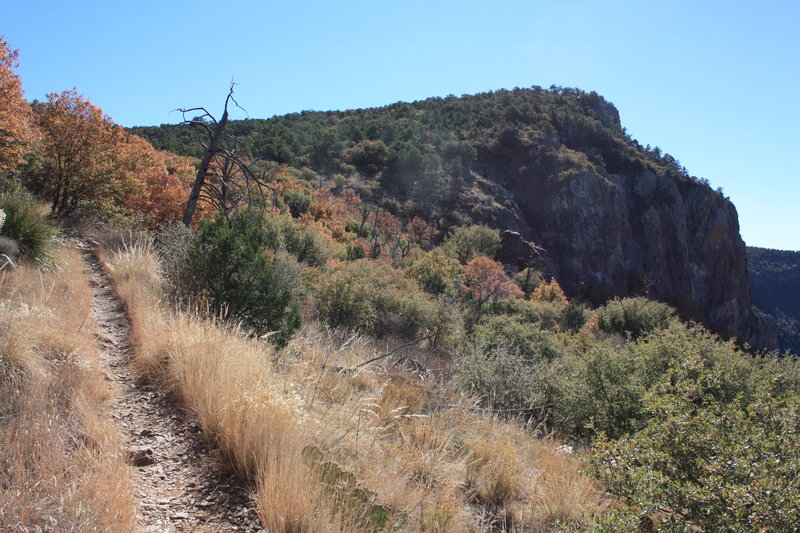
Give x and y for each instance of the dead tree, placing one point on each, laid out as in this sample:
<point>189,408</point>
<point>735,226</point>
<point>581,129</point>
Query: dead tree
<point>224,179</point>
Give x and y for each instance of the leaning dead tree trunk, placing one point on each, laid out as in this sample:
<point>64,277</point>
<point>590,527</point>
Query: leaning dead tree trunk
<point>212,147</point>
<point>224,178</point>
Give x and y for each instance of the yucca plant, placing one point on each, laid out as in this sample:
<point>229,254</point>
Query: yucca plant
<point>24,224</point>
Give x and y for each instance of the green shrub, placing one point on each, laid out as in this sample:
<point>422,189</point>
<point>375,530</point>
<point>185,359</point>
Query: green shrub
<point>604,386</point>
<point>573,317</point>
<point>708,458</point>
<point>499,376</point>
<point>305,244</point>
<point>437,274</point>
<point>634,316</point>
<point>230,269</point>
<point>298,202</point>
<point>549,313</point>
<point>23,223</point>
<point>522,310</point>
<point>343,302</point>
<point>351,252</point>
<point>523,339</point>
<point>376,297</point>
<point>601,390</point>
<point>468,242</point>
<point>510,363</point>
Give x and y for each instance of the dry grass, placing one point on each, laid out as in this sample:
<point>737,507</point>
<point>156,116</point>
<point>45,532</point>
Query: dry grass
<point>61,461</point>
<point>333,451</point>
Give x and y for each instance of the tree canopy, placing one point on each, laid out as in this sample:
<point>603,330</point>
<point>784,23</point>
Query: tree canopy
<point>16,124</point>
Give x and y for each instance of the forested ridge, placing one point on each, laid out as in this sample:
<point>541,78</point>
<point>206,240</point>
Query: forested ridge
<point>775,282</point>
<point>442,139</point>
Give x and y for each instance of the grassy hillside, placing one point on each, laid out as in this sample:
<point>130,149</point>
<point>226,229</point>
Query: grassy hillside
<point>377,449</point>
<point>775,284</point>
<point>350,346</point>
<point>446,434</point>
<point>555,165</point>
<point>62,462</point>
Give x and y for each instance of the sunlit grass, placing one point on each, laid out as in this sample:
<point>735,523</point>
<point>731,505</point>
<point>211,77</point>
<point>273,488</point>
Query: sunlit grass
<point>348,451</point>
<point>61,458</point>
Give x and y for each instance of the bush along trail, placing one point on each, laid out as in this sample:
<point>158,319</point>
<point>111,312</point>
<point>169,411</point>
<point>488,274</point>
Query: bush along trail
<point>179,478</point>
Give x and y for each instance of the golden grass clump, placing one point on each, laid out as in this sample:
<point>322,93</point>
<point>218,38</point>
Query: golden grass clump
<point>328,449</point>
<point>61,458</point>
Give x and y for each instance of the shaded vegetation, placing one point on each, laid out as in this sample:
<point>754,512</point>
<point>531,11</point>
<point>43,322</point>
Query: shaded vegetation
<point>775,285</point>
<point>228,268</point>
<point>24,223</point>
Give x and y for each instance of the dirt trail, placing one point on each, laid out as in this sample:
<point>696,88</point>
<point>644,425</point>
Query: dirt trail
<point>180,480</point>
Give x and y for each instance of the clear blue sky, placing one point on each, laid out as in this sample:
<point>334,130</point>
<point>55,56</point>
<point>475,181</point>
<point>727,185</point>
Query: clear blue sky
<point>714,83</point>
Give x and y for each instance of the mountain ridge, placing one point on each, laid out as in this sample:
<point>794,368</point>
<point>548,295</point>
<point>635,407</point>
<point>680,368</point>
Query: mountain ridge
<point>554,165</point>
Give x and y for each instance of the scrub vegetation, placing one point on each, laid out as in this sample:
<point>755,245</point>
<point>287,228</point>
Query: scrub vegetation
<point>363,359</point>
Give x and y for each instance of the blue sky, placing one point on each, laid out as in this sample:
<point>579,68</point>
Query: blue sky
<point>714,83</point>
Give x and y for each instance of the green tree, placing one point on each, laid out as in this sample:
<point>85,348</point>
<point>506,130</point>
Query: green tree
<point>231,269</point>
<point>468,242</point>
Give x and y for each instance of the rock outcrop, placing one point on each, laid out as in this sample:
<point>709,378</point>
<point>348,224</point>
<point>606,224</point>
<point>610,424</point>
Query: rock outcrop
<point>612,235</point>
<point>606,235</point>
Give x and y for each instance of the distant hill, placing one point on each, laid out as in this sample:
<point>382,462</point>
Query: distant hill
<point>554,165</point>
<point>775,286</point>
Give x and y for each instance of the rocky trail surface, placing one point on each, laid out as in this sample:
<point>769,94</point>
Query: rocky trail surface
<point>179,479</point>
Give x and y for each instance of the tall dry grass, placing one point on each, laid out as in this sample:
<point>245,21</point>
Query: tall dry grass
<point>62,466</point>
<point>342,451</point>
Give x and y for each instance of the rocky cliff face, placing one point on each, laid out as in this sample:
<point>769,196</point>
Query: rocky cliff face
<point>608,235</point>
<point>635,230</point>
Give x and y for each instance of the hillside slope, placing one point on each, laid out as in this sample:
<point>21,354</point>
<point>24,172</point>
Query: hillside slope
<point>554,165</point>
<point>775,282</point>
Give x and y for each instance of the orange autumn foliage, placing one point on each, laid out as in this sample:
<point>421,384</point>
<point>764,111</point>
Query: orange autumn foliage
<point>328,213</point>
<point>165,188</point>
<point>87,158</point>
<point>420,232</point>
<point>487,279</point>
<point>90,161</point>
<point>549,292</point>
<point>16,121</point>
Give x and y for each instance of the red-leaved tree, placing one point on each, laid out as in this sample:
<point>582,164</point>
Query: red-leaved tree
<point>487,279</point>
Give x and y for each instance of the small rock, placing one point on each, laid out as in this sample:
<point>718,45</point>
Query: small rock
<point>180,516</point>
<point>141,456</point>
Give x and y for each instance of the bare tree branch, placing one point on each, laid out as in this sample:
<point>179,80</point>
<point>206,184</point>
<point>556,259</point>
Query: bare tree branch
<point>224,179</point>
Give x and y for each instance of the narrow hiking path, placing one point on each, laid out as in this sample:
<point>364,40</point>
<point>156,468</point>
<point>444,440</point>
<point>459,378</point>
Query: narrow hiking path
<point>178,477</point>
